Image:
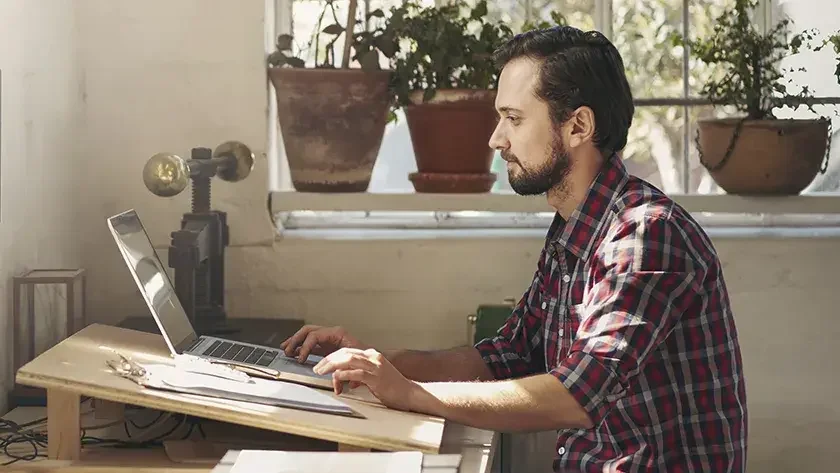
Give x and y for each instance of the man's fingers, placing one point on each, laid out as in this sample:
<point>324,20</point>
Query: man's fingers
<point>319,350</point>
<point>306,347</point>
<point>340,355</point>
<point>337,385</point>
<point>347,360</point>
<point>358,376</point>
<point>291,344</point>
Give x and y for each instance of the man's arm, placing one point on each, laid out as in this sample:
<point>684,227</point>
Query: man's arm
<point>456,364</point>
<point>534,403</point>
<point>650,275</point>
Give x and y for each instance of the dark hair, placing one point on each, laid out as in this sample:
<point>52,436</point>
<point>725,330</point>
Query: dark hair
<point>578,69</point>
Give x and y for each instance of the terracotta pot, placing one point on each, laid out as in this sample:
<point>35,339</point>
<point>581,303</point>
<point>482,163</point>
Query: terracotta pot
<point>332,123</point>
<point>769,157</point>
<point>459,183</point>
<point>450,133</point>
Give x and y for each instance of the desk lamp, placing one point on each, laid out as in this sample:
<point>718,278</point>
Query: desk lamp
<point>197,251</point>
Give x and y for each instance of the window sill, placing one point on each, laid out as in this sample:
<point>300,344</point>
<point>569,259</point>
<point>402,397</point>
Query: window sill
<point>372,235</point>
<point>409,216</point>
<point>512,203</point>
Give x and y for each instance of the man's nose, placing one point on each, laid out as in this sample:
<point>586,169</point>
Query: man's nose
<point>497,139</point>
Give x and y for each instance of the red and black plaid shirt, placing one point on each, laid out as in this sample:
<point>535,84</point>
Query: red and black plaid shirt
<point>629,310</point>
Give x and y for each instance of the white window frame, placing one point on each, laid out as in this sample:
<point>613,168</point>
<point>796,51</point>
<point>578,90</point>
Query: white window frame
<point>314,214</point>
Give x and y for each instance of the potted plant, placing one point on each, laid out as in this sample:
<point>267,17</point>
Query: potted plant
<point>834,40</point>
<point>444,78</point>
<point>756,153</point>
<point>332,117</point>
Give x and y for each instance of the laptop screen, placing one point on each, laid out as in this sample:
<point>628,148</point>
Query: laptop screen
<point>152,280</point>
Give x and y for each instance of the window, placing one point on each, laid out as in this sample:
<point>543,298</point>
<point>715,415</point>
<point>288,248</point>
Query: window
<point>665,81</point>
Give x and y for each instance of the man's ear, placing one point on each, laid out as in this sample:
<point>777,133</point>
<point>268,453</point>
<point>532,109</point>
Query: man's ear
<point>581,127</point>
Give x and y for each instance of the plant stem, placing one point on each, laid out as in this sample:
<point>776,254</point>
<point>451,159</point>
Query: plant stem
<point>318,32</point>
<point>348,33</point>
<point>755,100</point>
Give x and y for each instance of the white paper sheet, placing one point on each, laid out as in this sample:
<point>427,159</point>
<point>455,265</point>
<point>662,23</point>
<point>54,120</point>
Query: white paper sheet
<point>272,461</point>
<point>262,391</point>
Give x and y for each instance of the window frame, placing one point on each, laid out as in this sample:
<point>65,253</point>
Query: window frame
<point>446,210</point>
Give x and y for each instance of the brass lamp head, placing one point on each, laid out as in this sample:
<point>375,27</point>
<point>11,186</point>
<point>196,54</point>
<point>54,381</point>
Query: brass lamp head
<point>240,166</point>
<point>166,175</point>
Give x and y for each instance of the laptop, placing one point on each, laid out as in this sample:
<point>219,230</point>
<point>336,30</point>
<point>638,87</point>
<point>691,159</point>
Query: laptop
<point>171,318</point>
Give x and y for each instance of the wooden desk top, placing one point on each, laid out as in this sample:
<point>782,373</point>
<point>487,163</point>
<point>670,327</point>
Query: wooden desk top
<point>78,365</point>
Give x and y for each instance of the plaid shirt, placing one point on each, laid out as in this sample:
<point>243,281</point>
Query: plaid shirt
<point>628,309</point>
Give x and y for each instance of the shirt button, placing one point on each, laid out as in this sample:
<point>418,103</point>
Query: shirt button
<point>544,305</point>
<point>561,450</point>
<point>566,278</point>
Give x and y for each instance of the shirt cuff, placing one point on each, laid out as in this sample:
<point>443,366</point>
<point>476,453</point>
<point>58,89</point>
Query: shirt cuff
<point>595,386</point>
<point>492,358</point>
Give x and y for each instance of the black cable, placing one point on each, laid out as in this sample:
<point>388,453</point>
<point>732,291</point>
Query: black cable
<point>18,434</point>
<point>143,427</point>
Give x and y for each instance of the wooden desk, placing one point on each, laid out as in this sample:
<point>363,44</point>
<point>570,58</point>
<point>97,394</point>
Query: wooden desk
<point>77,367</point>
<point>475,446</point>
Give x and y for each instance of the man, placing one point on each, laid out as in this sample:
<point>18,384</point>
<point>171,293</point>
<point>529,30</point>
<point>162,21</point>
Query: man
<point>624,342</point>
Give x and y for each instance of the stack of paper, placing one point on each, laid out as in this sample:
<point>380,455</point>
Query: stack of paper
<point>272,461</point>
<point>261,391</point>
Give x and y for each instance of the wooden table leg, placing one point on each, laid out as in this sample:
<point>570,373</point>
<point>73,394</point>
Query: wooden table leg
<point>344,447</point>
<point>64,432</point>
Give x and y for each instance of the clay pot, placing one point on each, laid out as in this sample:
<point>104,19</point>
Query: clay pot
<point>332,122</point>
<point>440,183</point>
<point>769,157</point>
<point>450,133</point>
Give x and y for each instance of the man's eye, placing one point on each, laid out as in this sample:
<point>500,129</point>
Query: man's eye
<point>513,119</point>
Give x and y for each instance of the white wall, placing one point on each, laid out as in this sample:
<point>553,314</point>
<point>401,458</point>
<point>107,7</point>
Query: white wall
<point>40,189</point>
<point>168,76</point>
<point>159,75</point>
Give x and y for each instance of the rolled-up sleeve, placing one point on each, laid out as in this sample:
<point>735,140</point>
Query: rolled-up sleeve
<point>517,348</point>
<point>644,279</point>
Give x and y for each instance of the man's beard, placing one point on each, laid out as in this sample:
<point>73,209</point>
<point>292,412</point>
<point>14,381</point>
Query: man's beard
<point>539,181</point>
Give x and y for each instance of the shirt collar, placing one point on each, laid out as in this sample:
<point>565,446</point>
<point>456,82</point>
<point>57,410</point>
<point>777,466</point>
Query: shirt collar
<point>577,234</point>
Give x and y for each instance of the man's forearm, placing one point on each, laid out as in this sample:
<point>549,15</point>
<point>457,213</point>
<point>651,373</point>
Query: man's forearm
<point>456,364</point>
<point>535,403</point>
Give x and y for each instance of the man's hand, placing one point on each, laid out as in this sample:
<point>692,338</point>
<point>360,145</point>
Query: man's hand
<point>319,341</point>
<point>372,369</point>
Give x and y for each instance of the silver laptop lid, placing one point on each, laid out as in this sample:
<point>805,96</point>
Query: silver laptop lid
<point>152,280</point>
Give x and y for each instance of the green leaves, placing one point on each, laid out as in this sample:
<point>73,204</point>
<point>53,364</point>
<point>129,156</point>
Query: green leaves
<point>333,29</point>
<point>480,11</point>
<point>279,59</point>
<point>370,61</point>
<point>284,42</point>
<point>834,41</point>
<point>444,47</point>
<point>750,75</point>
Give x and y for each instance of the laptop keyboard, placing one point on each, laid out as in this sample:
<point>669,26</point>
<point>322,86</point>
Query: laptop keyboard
<point>240,353</point>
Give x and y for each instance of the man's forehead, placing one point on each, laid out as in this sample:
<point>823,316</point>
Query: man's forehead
<point>516,83</point>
